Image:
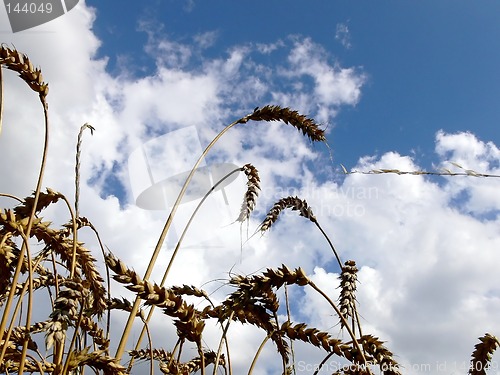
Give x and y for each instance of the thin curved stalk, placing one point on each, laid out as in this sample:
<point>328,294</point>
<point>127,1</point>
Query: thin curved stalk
<point>24,351</point>
<point>75,237</point>
<point>344,321</point>
<point>179,242</point>
<point>202,357</point>
<point>156,252</point>
<point>108,281</point>
<point>222,340</point>
<point>77,195</point>
<point>24,247</point>
<point>12,197</point>
<point>288,314</point>
<point>323,362</point>
<point>268,113</point>
<point>73,339</point>
<point>16,311</point>
<point>331,244</point>
<point>256,356</point>
<point>1,99</point>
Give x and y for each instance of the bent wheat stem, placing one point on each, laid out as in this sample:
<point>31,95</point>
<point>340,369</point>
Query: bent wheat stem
<point>24,247</point>
<point>344,321</point>
<point>257,354</point>
<point>179,242</point>
<point>268,113</point>
<point>1,98</point>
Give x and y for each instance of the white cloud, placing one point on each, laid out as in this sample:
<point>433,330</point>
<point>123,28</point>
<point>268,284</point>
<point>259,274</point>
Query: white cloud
<point>474,156</point>
<point>343,35</point>
<point>334,85</point>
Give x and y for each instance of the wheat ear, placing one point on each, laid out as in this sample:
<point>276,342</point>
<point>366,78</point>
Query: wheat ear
<point>177,247</point>
<point>347,298</point>
<point>296,204</point>
<point>253,187</point>
<point>481,356</point>
<point>268,113</point>
<point>20,63</point>
<point>276,113</point>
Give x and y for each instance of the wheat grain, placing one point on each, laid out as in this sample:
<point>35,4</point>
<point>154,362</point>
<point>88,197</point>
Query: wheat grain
<point>377,354</point>
<point>481,356</point>
<point>316,338</point>
<point>276,113</point>
<point>347,298</point>
<point>21,64</point>
<point>65,309</point>
<point>189,323</point>
<point>253,187</point>
<point>7,258</point>
<point>295,203</point>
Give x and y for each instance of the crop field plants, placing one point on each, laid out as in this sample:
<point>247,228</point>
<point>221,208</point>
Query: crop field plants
<point>41,262</point>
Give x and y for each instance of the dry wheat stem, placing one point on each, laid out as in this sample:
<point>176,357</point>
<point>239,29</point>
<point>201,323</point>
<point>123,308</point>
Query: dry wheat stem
<point>268,113</point>
<point>83,221</point>
<point>75,237</point>
<point>257,354</point>
<point>296,204</point>
<point>1,98</point>
<point>223,339</point>
<point>288,319</point>
<point>156,252</point>
<point>11,196</point>
<point>30,297</point>
<point>177,247</point>
<point>16,311</point>
<point>446,172</point>
<point>344,322</point>
<point>27,75</point>
<point>327,357</point>
<point>77,164</point>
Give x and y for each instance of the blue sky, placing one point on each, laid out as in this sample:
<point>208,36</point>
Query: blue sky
<point>429,65</point>
<point>397,84</point>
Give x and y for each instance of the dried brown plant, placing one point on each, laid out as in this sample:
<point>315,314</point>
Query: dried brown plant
<point>276,113</point>
<point>73,334</point>
<point>481,356</point>
<point>253,187</point>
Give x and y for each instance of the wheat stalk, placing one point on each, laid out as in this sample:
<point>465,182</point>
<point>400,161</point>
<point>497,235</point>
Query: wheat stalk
<point>300,205</point>
<point>443,172</point>
<point>268,113</point>
<point>21,64</point>
<point>1,98</point>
